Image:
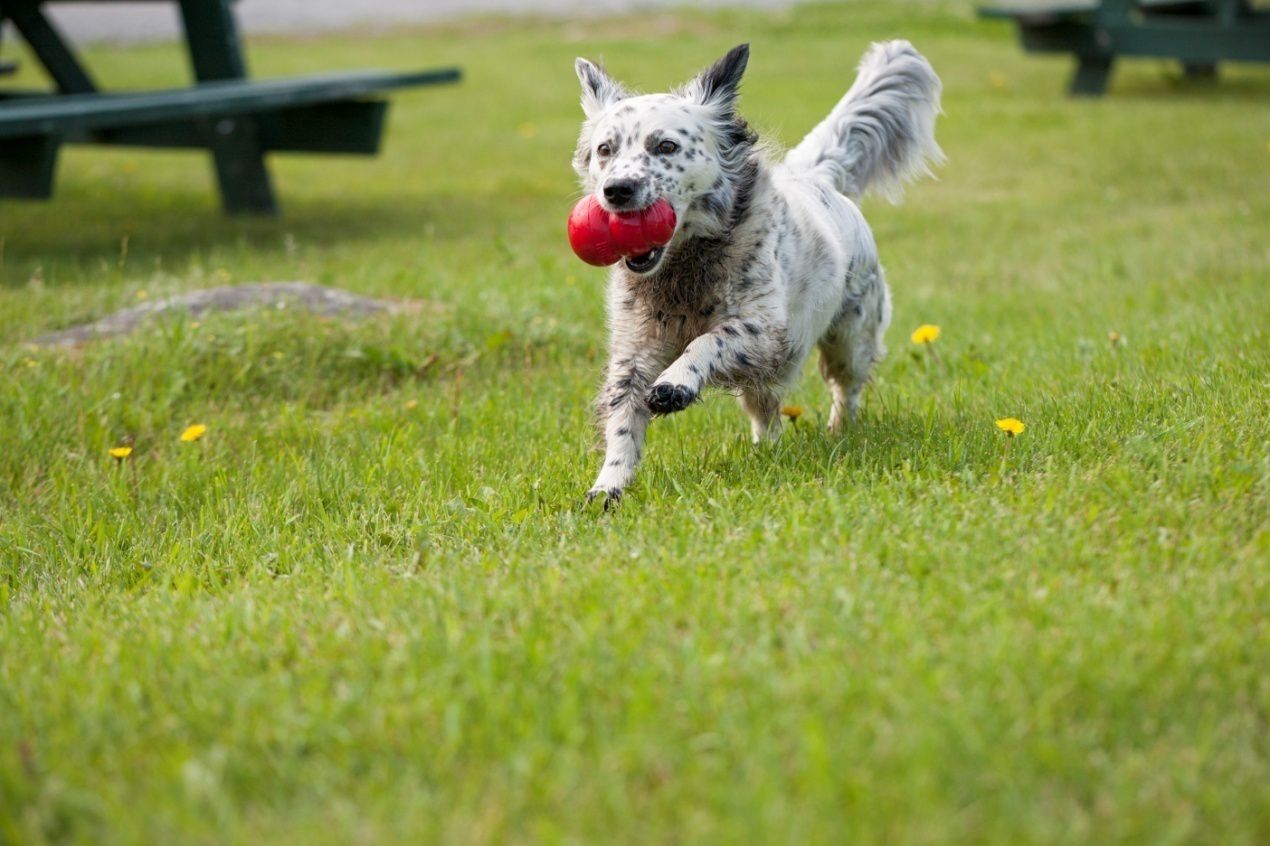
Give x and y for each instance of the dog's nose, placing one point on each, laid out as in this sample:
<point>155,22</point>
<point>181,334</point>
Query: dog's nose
<point>620,191</point>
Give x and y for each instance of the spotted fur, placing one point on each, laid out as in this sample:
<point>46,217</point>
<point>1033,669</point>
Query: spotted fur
<point>770,258</point>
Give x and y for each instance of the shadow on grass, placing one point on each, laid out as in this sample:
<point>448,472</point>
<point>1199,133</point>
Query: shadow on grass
<point>1176,87</point>
<point>888,444</point>
<point>174,229</point>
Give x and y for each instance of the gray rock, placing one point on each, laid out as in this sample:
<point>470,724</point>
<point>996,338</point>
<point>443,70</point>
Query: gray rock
<point>317,299</point>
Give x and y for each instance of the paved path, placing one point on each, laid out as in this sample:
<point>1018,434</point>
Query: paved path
<point>130,22</point>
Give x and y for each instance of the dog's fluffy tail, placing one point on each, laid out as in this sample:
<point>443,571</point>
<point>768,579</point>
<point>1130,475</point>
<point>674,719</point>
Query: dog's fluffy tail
<point>882,132</point>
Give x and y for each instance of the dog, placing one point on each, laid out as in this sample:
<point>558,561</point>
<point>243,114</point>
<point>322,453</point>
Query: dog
<point>770,256</point>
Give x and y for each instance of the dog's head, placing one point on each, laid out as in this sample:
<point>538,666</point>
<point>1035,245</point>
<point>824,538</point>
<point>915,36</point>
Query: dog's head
<point>688,147</point>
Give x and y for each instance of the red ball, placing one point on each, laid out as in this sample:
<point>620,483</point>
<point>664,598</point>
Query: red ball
<point>601,238</point>
<point>589,233</point>
<point>627,231</point>
<point>659,223</point>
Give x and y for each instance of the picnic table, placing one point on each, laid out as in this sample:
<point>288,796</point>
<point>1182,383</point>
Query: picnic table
<point>1198,33</point>
<point>236,118</point>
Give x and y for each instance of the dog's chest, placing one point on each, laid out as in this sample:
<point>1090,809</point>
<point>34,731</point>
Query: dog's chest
<point>685,301</point>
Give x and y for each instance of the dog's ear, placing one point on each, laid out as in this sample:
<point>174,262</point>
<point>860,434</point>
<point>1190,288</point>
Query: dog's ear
<point>599,90</point>
<point>718,85</point>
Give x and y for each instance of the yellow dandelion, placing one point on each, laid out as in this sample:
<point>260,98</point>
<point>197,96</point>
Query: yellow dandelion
<point>925,334</point>
<point>527,130</point>
<point>1011,426</point>
<point>793,412</point>
<point>119,453</point>
<point>193,433</point>
<point>410,404</point>
<point>142,294</point>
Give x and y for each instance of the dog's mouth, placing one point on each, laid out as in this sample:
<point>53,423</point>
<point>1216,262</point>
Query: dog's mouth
<point>645,262</point>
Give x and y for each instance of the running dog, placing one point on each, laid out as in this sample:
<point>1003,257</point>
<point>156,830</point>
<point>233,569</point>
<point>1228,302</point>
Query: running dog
<point>770,257</point>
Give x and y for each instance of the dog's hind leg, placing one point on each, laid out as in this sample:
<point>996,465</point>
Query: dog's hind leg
<point>764,407</point>
<point>852,346</point>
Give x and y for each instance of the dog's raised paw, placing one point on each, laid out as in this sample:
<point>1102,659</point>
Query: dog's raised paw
<point>664,398</point>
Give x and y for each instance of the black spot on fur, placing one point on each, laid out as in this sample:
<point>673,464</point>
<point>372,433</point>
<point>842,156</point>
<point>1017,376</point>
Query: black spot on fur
<point>752,328</point>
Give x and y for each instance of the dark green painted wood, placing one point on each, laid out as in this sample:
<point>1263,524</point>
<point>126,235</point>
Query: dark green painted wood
<point>1091,77</point>
<point>1199,70</point>
<point>1199,33</point>
<point>238,157</point>
<point>237,120</point>
<point>27,166</point>
<point>1198,41</point>
<point>351,127</point>
<point>216,54</point>
<point>49,47</point>
<point>47,115</point>
<point>212,37</point>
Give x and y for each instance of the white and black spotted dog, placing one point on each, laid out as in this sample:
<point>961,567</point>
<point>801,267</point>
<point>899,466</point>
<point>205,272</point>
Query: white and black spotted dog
<point>769,257</point>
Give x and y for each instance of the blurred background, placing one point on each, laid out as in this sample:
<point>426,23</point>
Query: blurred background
<point>128,22</point>
<point>361,603</point>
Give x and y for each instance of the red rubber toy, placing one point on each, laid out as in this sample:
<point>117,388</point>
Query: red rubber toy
<point>602,238</point>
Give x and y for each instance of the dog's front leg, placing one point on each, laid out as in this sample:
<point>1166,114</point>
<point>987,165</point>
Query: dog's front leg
<point>624,414</point>
<point>734,352</point>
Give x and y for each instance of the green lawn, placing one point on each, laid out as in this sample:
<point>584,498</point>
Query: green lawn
<point>366,608</point>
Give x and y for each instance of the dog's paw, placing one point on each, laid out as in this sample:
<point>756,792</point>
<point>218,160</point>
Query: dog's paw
<point>609,496</point>
<point>665,398</point>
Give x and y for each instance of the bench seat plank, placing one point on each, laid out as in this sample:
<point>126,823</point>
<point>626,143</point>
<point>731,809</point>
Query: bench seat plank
<point>63,115</point>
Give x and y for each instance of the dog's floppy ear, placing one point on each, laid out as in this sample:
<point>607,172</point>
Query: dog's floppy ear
<point>718,85</point>
<point>599,90</point>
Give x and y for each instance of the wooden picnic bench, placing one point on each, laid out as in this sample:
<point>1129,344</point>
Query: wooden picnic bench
<point>237,119</point>
<point>1199,33</point>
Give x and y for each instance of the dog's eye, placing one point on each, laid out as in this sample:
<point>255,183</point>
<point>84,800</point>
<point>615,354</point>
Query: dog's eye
<point>604,150</point>
<point>667,147</point>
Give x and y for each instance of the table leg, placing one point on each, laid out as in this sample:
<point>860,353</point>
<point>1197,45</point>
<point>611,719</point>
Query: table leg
<point>1092,73</point>
<point>50,47</point>
<point>216,53</point>
<point>1199,70</point>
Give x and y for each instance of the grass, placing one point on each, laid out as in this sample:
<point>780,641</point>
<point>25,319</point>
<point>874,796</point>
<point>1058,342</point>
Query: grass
<point>364,607</point>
